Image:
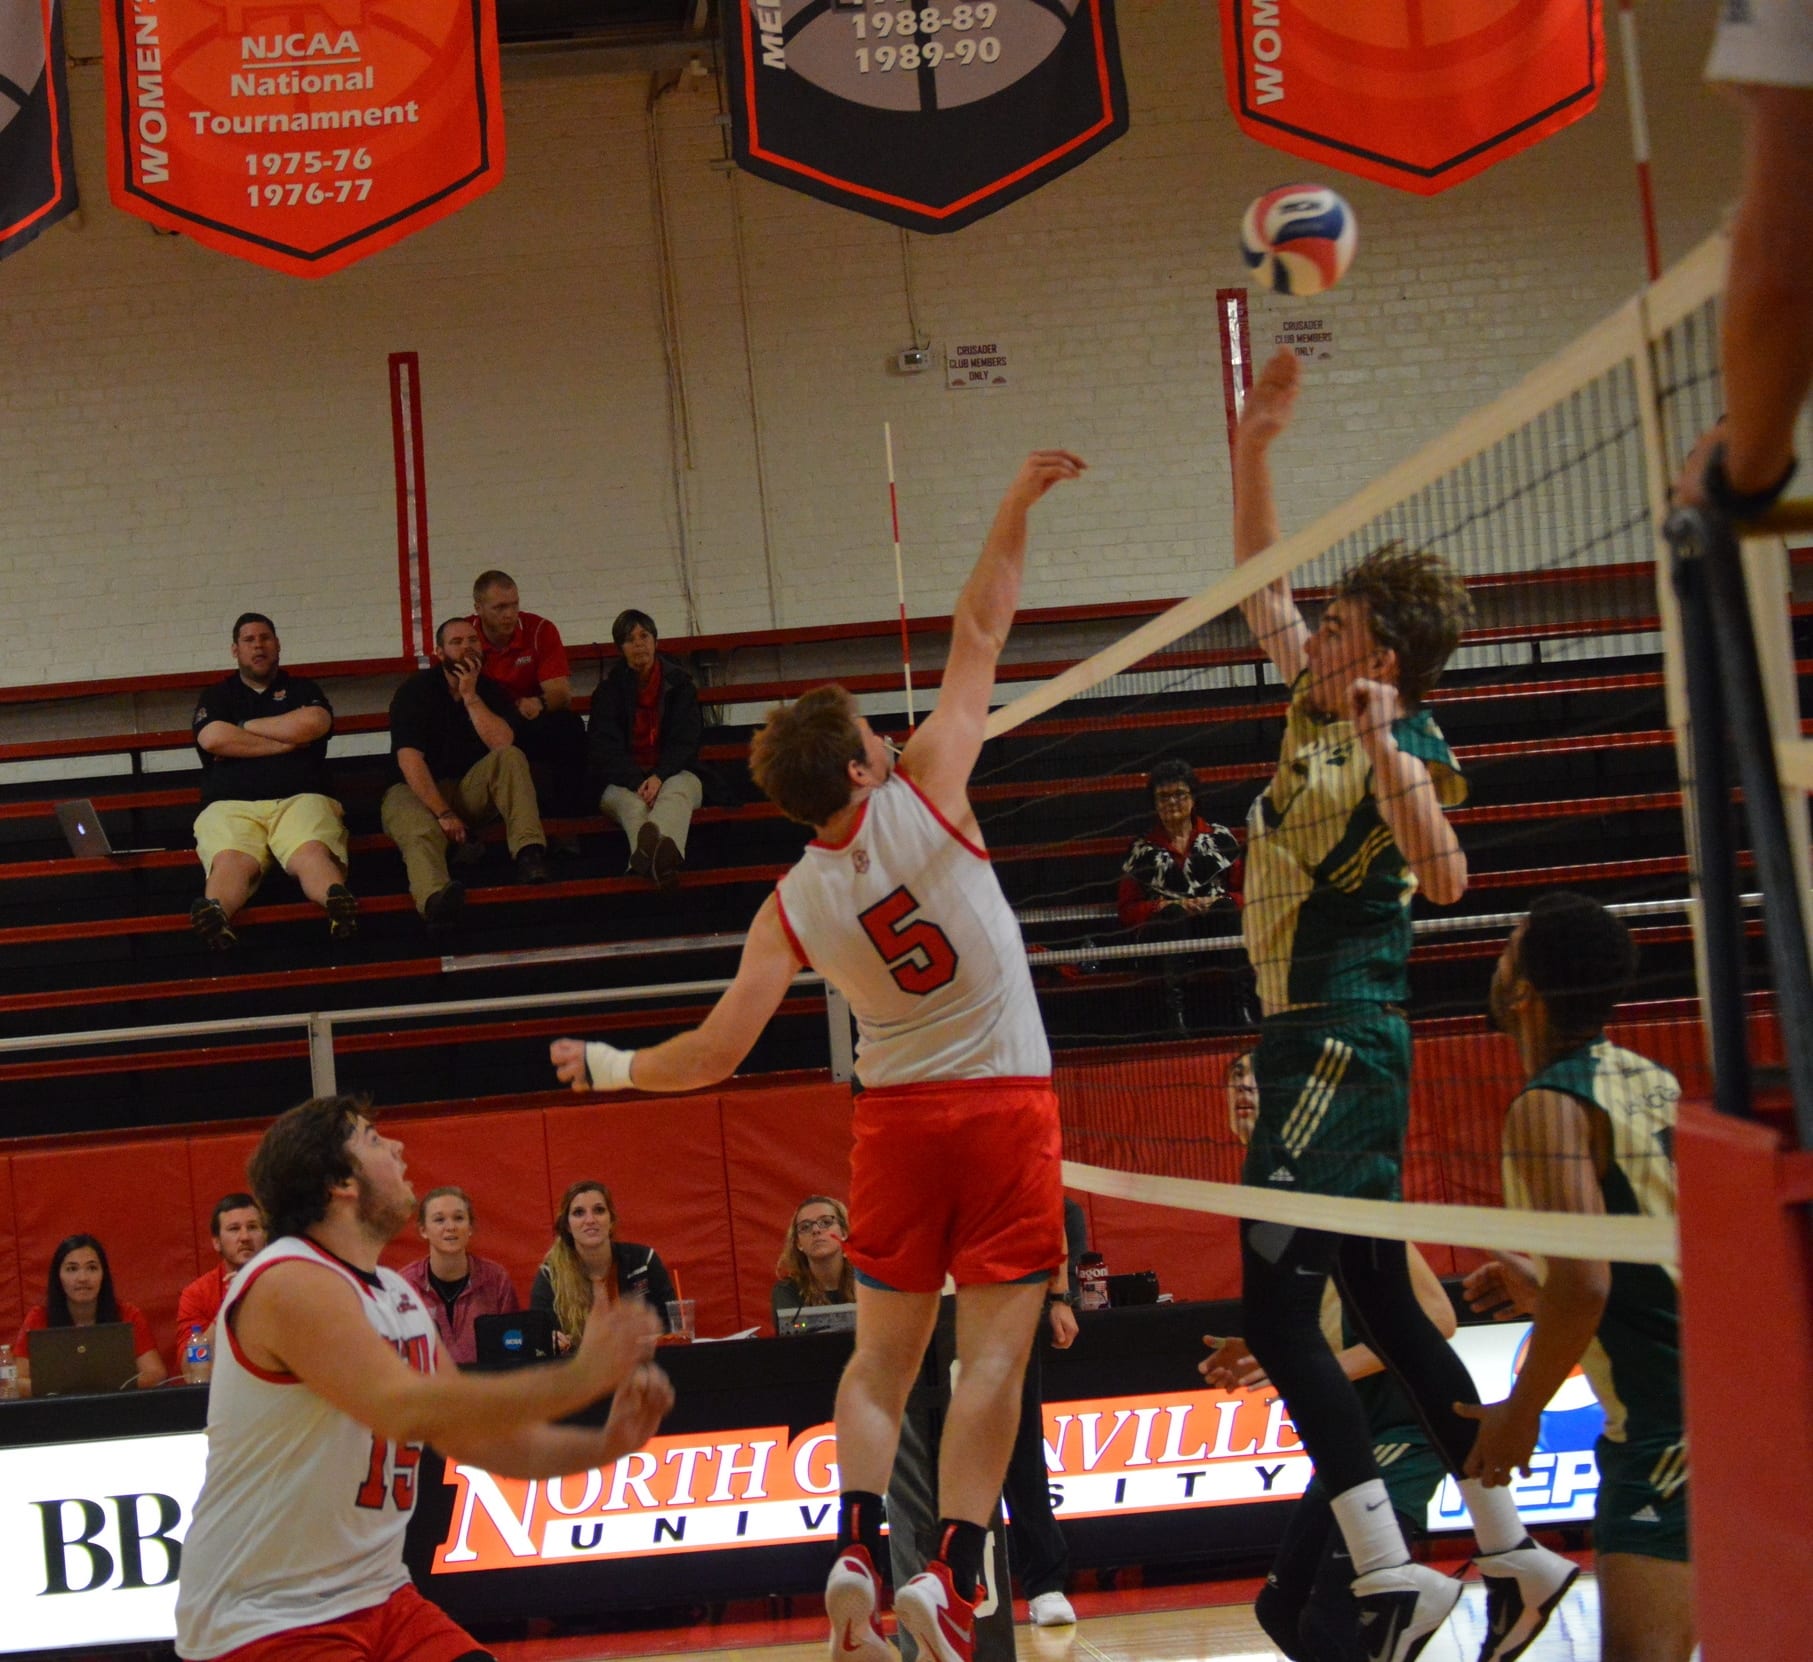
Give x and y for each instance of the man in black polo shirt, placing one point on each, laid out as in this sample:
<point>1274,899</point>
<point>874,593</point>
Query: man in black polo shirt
<point>452,737</point>
<point>262,734</point>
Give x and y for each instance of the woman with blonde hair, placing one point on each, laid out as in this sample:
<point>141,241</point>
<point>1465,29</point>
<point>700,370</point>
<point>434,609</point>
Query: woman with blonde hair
<point>585,1264</point>
<point>812,1266</point>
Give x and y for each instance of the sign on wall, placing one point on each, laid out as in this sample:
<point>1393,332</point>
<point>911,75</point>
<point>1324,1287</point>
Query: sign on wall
<point>37,158</point>
<point>975,363</point>
<point>1412,95</point>
<point>1308,337</point>
<point>301,137</point>
<point>928,116</point>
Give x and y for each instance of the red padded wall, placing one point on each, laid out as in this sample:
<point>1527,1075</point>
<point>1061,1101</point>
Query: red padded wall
<point>135,1198</point>
<point>663,1159</point>
<point>501,1161</point>
<point>217,1166</point>
<point>780,1145</point>
<point>13,1303</point>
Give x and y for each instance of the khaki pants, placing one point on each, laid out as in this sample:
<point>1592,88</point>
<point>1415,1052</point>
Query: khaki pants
<point>679,798</point>
<point>497,787</point>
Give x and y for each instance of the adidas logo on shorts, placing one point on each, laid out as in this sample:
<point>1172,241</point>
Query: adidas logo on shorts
<point>1646,1514</point>
<point>1281,1174</point>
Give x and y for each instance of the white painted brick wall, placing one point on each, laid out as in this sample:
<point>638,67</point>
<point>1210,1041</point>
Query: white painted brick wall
<point>185,435</point>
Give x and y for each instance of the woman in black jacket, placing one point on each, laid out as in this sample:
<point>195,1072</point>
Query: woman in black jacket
<point>585,1264</point>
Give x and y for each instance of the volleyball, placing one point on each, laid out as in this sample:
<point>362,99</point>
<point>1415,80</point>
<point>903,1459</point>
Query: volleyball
<point>1299,239</point>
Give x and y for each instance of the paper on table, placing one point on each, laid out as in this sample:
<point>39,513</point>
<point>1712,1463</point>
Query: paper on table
<point>724,1338</point>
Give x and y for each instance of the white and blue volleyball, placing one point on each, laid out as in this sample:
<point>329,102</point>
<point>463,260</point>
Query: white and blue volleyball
<point>1299,239</point>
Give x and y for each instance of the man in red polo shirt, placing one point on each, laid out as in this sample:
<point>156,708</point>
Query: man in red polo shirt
<point>525,656</point>
<point>238,1230</point>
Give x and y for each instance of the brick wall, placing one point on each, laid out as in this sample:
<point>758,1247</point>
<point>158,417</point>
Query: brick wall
<point>186,435</point>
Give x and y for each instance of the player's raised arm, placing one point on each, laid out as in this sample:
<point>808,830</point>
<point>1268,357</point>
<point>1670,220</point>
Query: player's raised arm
<point>704,1054</point>
<point>942,753</point>
<point>1271,614</point>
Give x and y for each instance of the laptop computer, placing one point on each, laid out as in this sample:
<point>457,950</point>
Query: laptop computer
<point>83,1361</point>
<point>87,836</point>
<point>510,1340</point>
<point>821,1318</point>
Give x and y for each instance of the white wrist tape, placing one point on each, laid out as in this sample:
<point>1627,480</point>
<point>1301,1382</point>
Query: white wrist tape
<point>608,1066</point>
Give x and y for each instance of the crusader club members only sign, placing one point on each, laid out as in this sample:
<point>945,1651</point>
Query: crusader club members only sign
<point>301,136</point>
<point>929,116</point>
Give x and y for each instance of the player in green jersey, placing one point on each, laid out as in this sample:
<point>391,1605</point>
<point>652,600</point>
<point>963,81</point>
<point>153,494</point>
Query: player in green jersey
<point>1593,1132</point>
<point>1351,827</point>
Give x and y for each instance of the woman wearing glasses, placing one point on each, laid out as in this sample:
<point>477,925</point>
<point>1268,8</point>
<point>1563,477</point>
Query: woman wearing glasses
<point>812,1267</point>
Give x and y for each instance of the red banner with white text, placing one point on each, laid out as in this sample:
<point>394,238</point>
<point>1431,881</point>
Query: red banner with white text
<point>301,136</point>
<point>1408,92</point>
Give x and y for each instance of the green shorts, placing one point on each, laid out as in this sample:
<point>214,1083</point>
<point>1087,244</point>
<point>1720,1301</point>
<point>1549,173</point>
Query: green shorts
<point>1642,1506</point>
<point>1334,1101</point>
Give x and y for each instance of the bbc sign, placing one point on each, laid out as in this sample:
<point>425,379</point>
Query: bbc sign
<point>91,1539</point>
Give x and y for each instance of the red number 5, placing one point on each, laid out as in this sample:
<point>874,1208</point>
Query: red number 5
<point>919,955</point>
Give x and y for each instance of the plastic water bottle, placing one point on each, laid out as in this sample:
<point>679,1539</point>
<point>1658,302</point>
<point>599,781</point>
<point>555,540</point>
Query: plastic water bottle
<point>198,1359</point>
<point>9,1375</point>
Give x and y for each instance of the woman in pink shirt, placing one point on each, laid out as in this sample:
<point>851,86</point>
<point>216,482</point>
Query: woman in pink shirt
<point>457,1285</point>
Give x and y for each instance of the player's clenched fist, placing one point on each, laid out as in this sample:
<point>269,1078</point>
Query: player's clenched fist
<point>590,1067</point>
<point>1040,471</point>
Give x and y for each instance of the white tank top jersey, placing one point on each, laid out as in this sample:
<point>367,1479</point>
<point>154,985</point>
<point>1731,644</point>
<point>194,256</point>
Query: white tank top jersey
<point>906,919</point>
<point>302,1510</point>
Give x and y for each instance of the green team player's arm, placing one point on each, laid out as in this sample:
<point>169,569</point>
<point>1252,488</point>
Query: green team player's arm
<point>1272,613</point>
<point>1360,1361</point>
<point>1405,792</point>
<point>1549,1144</point>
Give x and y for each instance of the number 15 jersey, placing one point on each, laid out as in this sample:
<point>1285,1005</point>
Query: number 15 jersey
<point>906,918</point>
<point>302,1510</point>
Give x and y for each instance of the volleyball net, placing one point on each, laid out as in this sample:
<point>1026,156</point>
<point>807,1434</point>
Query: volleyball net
<point>1564,711</point>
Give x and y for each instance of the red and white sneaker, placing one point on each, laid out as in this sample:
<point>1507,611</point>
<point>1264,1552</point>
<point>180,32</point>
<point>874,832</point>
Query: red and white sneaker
<point>941,1621</point>
<point>853,1602</point>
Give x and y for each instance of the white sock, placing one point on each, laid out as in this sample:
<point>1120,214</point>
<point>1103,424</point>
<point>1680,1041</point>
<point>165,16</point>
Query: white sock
<point>1370,1527</point>
<point>1496,1524</point>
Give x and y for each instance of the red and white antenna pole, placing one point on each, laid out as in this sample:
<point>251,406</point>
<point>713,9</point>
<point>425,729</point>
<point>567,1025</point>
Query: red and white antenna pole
<point>1639,135</point>
<point>906,650</point>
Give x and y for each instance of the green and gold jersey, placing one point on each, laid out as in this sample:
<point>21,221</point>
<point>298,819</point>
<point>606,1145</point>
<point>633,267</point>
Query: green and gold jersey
<point>1634,1364</point>
<point>1327,894</point>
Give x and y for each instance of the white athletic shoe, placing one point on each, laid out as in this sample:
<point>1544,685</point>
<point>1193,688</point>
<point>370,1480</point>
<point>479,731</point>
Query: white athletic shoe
<point>1400,1609</point>
<point>1523,1586</point>
<point>1050,1610</point>
<point>941,1620</point>
<point>852,1601</point>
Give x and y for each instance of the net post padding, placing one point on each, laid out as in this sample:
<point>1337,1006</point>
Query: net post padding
<point>1623,1240</point>
<point>1746,1287</point>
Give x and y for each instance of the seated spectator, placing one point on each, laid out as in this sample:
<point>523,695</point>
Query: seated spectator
<point>262,734</point>
<point>456,1285</point>
<point>80,1293</point>
<point>237,1229</point>
<point>452,737</point>
<point>1182,866</point>
<point>812,1267</point>
<point>524,655</point>
<point>585,1264</point>
<point>644,750</point>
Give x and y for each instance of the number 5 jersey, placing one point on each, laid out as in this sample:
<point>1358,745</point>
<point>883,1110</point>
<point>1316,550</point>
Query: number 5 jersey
<point>302,1511</point>
<point>906,918</point>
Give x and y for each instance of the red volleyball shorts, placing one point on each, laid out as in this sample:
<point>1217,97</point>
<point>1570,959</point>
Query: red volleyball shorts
<point>961,1177</point>
<point>404,1628</point>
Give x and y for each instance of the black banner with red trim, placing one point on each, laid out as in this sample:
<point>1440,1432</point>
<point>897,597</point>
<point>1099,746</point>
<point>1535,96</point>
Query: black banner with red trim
<point>928,116</point>
<point>37,158</point>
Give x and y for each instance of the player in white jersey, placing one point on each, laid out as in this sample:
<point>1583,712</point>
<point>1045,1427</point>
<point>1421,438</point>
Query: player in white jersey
<point>955,1170</point>
<point>326,1386</point>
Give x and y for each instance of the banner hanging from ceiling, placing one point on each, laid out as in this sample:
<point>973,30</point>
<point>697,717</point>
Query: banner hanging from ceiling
<point>37,159</point>
<point>1410,94</point>
<point>931,117</point>
<point>306,136</point>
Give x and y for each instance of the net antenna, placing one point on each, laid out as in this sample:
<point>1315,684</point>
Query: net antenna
<point>906,649</point>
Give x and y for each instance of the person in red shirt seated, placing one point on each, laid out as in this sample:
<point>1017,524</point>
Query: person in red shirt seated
<point>525,656</point>
<point>644,750</point>
<point>80,1294</point>
<point>457,1286</point>
<point>237,1230</point>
